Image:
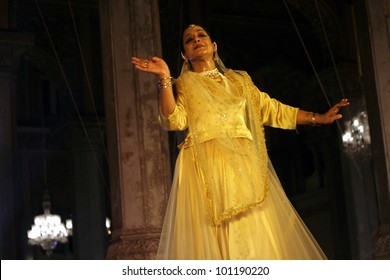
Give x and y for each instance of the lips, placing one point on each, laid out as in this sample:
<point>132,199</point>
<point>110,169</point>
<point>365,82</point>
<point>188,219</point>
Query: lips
<point>197,46</point>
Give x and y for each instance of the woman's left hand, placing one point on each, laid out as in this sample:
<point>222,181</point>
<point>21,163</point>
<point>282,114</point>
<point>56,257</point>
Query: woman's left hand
<point>333,113</point>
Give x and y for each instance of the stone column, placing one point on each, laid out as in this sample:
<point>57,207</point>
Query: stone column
<point>12,45</point>
<point>379,27</point>
<point>87,159</point>
<point>137,147</point>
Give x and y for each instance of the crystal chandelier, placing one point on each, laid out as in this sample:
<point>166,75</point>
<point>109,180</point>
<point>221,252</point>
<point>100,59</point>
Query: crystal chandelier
<point>47,230</point>
<point>356,138</point>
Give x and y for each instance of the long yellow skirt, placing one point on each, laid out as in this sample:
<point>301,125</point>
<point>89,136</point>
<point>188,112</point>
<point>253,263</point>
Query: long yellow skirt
<point>271,231</point>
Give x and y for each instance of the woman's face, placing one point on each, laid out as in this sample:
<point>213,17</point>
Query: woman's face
<point>197,43</point>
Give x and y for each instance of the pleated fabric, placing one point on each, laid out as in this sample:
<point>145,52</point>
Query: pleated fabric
<point>272,230</point>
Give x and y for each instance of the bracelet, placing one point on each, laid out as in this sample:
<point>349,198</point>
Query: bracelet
<point>307,116</point>
<point>166,78</point>
<point>160,86</point>
<point>165,84</point>
<point>313,120</point>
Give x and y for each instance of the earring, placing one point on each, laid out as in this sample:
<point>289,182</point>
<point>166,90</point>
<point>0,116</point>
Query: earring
<point>215,54</point>
<point>184,57</point>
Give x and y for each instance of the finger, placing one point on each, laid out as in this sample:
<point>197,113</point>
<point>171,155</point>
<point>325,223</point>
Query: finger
<point>140,62</point>
<point>140,67</point>
<point>137,64</point>
<point>135,60</point>
<point>342,103</point>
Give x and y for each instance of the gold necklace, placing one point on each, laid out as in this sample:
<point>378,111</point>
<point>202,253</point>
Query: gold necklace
<point>211,73</point>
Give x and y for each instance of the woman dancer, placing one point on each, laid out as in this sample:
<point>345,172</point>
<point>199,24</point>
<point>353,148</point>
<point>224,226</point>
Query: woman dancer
<point>226,201</point>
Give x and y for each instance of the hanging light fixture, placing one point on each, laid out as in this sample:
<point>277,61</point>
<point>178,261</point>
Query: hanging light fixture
<point>47,230</point>
<point>356,137</point>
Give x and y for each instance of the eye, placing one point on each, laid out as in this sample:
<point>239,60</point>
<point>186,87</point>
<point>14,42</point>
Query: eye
<point>202,34</point>
<point>188,39</point>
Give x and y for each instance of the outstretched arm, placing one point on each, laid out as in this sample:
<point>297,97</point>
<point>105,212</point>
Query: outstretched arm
<point>310,118</point>
<point>159,67</point>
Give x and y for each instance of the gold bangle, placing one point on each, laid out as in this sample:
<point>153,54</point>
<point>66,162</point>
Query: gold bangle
<point>166,78</point>
<point>313,120</point>
<point>307,117</point>
<point>161,84</point>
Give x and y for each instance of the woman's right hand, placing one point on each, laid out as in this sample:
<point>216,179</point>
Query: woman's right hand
<point>154,65</point>
<point>158,66</point>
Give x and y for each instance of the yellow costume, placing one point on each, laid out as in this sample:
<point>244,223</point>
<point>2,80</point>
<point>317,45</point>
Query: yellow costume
<point>226,201</point>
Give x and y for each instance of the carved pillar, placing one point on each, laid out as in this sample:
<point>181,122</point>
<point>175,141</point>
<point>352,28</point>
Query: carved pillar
<point>379,27</point>
<point>89,185</point>
<point>359,193</point>
<point>372,22</point>
<point>12,45</point>
<point>137,147</point>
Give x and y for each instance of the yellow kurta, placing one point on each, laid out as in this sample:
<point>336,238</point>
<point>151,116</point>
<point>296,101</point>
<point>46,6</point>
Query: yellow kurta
<point>226,201</point>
